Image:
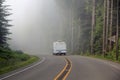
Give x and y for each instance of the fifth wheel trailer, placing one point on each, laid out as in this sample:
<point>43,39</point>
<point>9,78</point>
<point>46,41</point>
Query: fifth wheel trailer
<point>59,48</point>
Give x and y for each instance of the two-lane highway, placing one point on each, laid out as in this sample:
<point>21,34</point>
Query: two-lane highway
<point>68,68</point>
<point>47,70</point>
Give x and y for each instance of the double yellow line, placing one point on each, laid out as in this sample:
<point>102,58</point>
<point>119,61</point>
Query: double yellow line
<point>68,63</point>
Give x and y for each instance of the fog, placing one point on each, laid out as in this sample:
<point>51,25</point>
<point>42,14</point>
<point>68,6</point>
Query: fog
<point>37,24</point>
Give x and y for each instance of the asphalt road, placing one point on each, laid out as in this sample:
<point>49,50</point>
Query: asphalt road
<point>83,68</point>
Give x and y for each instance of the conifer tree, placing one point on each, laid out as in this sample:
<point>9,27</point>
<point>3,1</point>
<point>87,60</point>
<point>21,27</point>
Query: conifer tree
<point>4,31</point>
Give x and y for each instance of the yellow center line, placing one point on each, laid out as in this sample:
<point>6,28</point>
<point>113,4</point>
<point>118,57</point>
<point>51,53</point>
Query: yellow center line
<point>64,78</point>
<point>68,71</point>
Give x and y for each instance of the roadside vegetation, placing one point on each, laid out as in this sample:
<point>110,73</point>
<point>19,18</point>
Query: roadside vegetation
<point>110,57</point>
<point>96,28</point>
<point>9,59</point>
<point>104,38</point>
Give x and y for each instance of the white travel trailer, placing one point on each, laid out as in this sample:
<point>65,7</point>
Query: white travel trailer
<point>59,48</point>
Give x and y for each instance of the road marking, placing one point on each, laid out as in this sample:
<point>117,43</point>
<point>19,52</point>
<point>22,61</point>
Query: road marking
<point>112,65</point>
<point>43,59</point>
<point>65,71</point>
<point>115,66</point>
<point>68,71</point>
<point>61,71</point>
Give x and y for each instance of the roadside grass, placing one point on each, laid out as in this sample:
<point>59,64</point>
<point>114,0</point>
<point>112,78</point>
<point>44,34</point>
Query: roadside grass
<point>11,60</point>
<point>12,66</point>
<point>107,57</point>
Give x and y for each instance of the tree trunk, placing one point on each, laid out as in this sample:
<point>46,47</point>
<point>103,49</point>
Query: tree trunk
<point>104,29</point>
<point>93,25</point>
<point>111,24</point>
<point>107,25</point>
<point>117,31</point>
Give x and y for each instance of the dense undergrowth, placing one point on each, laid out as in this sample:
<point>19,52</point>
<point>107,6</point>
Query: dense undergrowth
<point>110,56</point>
<point>10,60</point>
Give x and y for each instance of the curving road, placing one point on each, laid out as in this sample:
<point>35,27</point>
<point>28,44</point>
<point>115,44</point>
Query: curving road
<point>79,68</point>
<point>85,68</point>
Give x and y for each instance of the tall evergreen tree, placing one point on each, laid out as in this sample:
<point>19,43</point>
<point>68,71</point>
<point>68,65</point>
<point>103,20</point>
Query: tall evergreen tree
<point>4,31</point>
<point>93,25</point>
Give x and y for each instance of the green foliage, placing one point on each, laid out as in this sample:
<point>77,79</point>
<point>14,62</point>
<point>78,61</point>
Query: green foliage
<point>85,21</point>
<point>4,31</point>
<point>19,51</point>
<point>10,60</point>
<point>112,54</point>
<point>88,7</point>
<point>12,66</point>
<point>85,26</point>
<point>10,57</point>
<point>98,28</point>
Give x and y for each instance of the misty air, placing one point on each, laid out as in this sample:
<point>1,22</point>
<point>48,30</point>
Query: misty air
<point>59,39</point>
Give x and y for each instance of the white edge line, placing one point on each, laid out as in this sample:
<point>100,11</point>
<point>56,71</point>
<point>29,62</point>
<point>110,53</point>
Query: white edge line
<point>43,59</point>
<point>114,66</point>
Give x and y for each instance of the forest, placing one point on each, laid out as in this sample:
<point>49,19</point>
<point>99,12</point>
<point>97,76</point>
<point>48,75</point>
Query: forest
<point>95,27</point>
<point>9,57</point>
<point>100,28</point>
